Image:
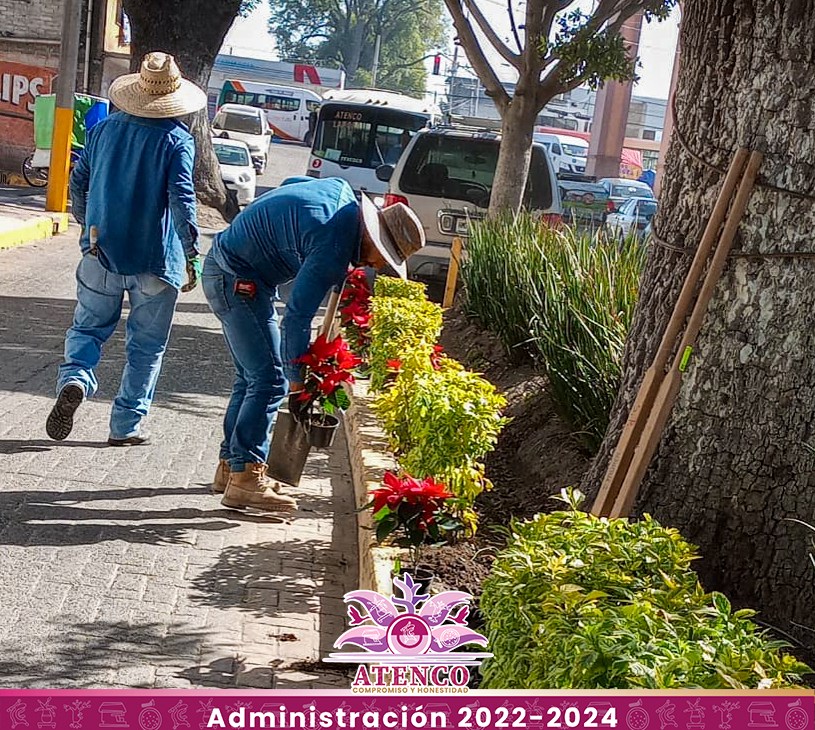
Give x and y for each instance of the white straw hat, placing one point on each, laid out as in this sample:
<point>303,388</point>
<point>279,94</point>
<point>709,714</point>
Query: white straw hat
<point>158,91</point>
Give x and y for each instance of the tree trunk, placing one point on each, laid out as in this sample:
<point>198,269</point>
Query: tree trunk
<point>178,28</point>
<point>354,52</point>
<point>512,169</point>
<point>734,466</point>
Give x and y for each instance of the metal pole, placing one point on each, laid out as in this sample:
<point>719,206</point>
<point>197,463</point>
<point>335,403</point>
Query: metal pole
<point>87,64</point>
<point>375,67</point>
<point>56,199</point>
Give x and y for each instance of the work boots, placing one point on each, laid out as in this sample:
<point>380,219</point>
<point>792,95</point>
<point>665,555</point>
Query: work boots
<point>222,478</point>
<point>252,488</point>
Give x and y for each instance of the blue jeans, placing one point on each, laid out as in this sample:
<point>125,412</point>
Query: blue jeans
<point>253,338</point>
<point>100,295</point>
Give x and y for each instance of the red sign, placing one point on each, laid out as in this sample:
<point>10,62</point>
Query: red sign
<point>19,85</point>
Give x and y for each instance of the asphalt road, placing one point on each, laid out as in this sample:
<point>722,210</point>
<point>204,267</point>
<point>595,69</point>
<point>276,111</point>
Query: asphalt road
<point>285,160</point>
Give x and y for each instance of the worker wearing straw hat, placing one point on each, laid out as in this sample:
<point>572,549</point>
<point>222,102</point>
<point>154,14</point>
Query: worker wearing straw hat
<point>132,192</point>
<point>310,231</point>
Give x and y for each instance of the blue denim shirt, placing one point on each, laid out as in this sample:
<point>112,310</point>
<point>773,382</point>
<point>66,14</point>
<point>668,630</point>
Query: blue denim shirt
<point>307,230</point>
<point>134,183</point>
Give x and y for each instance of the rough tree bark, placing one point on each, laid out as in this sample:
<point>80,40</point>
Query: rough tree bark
<point>734,463</point>
<point>192,31</point>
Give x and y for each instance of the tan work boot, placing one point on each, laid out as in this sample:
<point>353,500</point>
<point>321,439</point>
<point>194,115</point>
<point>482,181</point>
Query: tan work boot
<point>252,488</point>
<point>221,477</point>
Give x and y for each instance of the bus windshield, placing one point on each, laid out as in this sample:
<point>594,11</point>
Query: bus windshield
<point>355,135</point>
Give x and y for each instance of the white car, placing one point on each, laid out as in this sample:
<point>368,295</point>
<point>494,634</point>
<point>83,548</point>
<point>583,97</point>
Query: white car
<point>632,217</point>
<point>237,171</point>
<point>247,124</point>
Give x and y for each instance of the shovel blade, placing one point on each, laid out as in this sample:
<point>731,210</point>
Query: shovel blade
<point>288,451</point>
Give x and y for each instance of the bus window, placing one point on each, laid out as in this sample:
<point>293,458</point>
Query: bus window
<point>312,106</point>
<point>281,104</point>
<point>344,141</point>
<point>390,143</point>
<point>362,137</point>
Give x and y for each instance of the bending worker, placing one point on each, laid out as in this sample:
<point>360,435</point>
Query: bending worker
<point>310,231</point>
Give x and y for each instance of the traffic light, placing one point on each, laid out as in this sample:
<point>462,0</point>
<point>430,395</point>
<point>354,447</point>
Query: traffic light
<point>437,64</point>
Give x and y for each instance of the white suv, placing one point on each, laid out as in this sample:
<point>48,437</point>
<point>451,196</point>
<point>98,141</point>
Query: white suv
<point>445,175</point>
<point>246,124</point>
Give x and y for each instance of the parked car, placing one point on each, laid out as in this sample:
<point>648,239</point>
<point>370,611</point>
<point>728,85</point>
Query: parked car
<point>632,217</point>
<point>445,175</point>
<point>584,203</point>
<point>570,154</point>
<point>247,124</point>
<point>619,190</point>
<point>237,170</point>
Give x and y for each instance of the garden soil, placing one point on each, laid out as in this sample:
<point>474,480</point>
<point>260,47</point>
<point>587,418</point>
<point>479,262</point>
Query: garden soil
<point>536,455</point>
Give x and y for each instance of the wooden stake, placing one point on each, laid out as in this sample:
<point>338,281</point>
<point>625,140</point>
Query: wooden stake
<point>672,382</point>
<point>624,451</point>
<point>327,327</point>
<point>452,273</point>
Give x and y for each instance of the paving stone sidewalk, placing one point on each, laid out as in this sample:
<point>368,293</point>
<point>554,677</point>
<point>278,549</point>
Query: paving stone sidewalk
<point>118,568</point>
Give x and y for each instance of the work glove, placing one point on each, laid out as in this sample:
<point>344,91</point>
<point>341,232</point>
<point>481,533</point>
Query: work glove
<point>298,408</point>
<point>194,269</point>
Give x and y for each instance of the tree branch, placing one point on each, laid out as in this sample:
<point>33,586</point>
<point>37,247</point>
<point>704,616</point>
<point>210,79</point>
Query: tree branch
<point>514,27</point>
<point>475,54</point>
<point>491,35</point>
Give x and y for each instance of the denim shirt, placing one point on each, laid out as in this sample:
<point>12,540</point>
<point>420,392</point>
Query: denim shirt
<point>134,183</point>
<point>307,230</point>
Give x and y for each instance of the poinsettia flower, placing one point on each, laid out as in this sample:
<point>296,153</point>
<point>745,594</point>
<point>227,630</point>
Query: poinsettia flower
<point>436,356</point>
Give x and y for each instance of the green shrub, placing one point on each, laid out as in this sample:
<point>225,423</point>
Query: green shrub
<point>389,286</point>
<point>576,601</point>
<point>564,300</point>
<point>442,423</point>
<point>403,330</point>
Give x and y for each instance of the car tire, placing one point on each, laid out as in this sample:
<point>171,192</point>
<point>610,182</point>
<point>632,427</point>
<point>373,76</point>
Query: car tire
<point>308,139</point>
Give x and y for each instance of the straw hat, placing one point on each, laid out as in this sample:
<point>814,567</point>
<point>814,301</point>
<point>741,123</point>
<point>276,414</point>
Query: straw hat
<point>396,232</point>
<point>157,91</point>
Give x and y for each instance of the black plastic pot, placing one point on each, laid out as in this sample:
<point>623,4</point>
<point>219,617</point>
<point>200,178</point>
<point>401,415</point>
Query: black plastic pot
<point>289,449</point>
<point>323,430</point>
<point>424,577</point>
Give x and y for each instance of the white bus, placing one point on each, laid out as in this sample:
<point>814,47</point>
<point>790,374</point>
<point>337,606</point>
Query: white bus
<point>287,107</point>
<point>358,130</point>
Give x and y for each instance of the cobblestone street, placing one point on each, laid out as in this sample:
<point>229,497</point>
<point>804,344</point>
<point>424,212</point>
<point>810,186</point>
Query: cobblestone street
<point>117,566</point>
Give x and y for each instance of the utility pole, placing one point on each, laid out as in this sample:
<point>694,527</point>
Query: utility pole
<point>375,66</point>
<point>56,199</point>
<point>611,113</point>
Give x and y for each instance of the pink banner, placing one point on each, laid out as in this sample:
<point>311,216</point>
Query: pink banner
<point>404,710</point>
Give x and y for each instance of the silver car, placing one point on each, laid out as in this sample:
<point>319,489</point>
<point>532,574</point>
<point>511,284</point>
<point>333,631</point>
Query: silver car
<point>445,175</point>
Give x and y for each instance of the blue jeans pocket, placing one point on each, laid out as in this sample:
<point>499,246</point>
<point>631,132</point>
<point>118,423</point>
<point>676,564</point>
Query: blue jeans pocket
<point>214,287</point>
<point>92,275</point>
<point>151,285</point>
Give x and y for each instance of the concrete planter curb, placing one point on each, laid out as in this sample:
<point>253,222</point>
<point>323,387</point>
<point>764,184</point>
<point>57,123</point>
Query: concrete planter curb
<point>370,459</point>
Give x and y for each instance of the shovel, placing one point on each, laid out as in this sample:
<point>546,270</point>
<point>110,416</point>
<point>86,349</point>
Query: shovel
<point>290,441</point>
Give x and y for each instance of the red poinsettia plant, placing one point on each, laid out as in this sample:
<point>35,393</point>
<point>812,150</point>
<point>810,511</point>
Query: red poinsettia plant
<point>412,509</point>
<point>355,311</point>
<point>328,364</point>
<point>395,365</point>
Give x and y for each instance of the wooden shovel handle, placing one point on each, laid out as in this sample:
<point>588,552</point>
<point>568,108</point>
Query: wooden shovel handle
<point>630,435</point>
<point>672,382</point>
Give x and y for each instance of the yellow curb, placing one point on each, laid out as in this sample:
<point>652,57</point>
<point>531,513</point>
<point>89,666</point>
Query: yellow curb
<point>28,231</point>
<point>60,222</point>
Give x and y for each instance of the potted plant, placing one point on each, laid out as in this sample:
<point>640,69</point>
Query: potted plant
<point>328,364</point>
<point>355,314</point>
<point>412,513</point>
